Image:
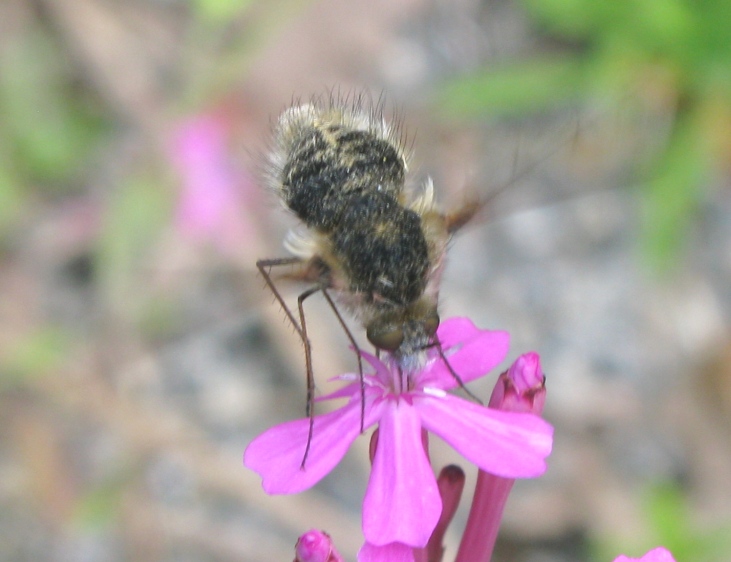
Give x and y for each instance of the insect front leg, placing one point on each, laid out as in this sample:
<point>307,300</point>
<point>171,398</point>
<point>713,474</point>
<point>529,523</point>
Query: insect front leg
<point>300,326</point>
<point>454,374</point>
<point>264,267</point>
<point>305,273</point>
<point>310,374</point>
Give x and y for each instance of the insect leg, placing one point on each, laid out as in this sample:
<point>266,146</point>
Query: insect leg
<point>357,354</point>
<point>454,374</point>
<point>264,267</point>
<point>300,327</point>
<point>308,362</point>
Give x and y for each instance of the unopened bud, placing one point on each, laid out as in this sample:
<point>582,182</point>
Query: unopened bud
<point>316,546</point>
<point>521,388</point>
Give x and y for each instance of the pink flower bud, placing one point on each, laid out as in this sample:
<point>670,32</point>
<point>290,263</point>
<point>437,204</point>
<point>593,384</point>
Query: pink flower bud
<point>451,483</point>
<point>316,546</point>
<point>521,388</point>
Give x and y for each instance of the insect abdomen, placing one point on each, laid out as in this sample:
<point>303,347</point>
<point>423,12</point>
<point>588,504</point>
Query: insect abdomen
<point>324,167</point>
<point>382,248</point>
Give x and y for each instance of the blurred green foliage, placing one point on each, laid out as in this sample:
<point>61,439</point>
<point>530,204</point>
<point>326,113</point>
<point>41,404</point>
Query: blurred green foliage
<point>136,214</point>
<point>219,11</point>
<point>48,126</point>
<point>668,514</point>
<point>231,33</point>
<point>99,507</point>
<point>36,355</point>
<point>60,130</point>
<point>671,58</point>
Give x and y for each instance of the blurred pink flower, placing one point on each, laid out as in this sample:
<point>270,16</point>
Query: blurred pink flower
<point>402,503</point>
<point>658,554</point>
<point>213,197</point>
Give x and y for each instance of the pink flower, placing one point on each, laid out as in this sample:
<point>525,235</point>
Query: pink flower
<point>658,554</point>
<point>402,504</point>
<point>214,194</point>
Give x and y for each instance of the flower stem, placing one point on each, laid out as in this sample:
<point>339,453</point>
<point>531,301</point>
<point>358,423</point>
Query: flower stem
<point>483,523</point>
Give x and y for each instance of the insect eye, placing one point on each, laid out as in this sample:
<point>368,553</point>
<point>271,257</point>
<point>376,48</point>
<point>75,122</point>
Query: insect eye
<point>431,324</point>
<point>388,340</point>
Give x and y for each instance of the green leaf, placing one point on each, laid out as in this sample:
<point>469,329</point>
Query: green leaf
<point>220,11</point>
<point>577,19</point>
<point>670,198</point>
<point>100,507</point>
<point>669,519</point>
<point>37,355</point>
<point>668,514</point>
<point>134,218</point>
<point>514,90</point>
<point>50,127</point>
<point>12,197</point>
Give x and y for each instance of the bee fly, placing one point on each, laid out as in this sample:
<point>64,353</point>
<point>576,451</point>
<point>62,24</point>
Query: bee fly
<point>379,247</point>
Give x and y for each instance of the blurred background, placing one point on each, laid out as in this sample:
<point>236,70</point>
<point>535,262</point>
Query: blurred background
<point>140,351</point>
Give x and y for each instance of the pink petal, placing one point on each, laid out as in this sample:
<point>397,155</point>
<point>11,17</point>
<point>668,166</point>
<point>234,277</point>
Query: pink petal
<point>479,355</point>
<point>394,552</point>
<point>402,502</point>
<point>373,387</point>
<point>276,455</point>
<point>507,444</point>
<point>455,330</point>
<point>383,374</point>
<point>351,390</point>
<point>658,554</point>
<point>473,356</point>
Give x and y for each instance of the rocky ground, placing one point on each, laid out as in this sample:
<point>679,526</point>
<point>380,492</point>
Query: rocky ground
<point>140,356</point>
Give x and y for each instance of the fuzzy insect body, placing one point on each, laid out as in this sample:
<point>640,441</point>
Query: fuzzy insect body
<point>341,169</point>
